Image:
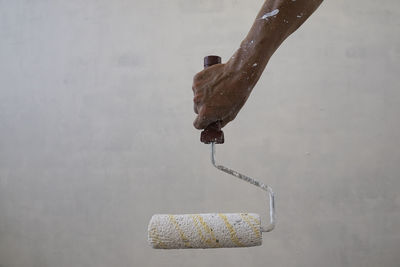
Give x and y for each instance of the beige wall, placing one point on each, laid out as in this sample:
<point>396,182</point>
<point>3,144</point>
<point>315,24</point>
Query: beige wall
<point>96,133</point>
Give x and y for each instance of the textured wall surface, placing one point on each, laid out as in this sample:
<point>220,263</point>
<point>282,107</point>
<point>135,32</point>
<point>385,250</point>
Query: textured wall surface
<point>96,133</point>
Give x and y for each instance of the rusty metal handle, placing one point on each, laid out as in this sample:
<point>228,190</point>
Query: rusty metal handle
<point>212,133</point>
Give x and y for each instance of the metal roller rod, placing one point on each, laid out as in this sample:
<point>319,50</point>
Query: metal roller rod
<point>252,181</point>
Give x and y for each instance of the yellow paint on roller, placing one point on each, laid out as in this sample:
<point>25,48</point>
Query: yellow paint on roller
<point>181,233</point>
<point>155,236</point>
<point>254,219</point>
<point>255,229</point>
<point>231,230</point>
<point>196,223</point>
<point>208,229</point>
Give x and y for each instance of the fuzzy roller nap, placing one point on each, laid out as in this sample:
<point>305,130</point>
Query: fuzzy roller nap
<point>212,230</point>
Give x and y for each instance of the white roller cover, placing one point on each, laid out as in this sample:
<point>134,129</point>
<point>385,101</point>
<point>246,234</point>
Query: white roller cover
<point>212,230</point>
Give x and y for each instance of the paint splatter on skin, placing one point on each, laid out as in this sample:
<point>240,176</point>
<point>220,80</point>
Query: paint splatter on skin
<point>270,14</point>
<point>255,64</point>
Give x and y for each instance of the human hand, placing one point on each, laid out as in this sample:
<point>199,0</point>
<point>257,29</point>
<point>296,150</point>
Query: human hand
<point>220,91</point>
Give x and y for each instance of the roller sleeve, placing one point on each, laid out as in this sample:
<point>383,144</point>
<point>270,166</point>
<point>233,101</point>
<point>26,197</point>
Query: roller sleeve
<point>212,230</point>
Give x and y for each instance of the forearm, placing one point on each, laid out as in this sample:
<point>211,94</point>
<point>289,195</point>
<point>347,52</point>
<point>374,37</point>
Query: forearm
<point>276,20</point>
<point>221,90</point>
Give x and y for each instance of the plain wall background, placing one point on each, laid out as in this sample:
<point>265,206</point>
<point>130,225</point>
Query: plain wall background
<point>96,133</point>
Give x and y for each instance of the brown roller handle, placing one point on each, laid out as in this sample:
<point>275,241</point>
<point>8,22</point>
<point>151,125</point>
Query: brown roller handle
<point>213,132</point>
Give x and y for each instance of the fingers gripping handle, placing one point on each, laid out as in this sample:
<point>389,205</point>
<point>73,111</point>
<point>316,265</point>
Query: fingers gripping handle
<point>212,133</point>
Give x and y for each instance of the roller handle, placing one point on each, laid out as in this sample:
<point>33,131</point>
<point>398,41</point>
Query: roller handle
<point>212,133</point>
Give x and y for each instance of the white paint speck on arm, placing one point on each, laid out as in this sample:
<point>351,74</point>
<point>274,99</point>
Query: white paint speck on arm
<point>270,14</point>
<point>255,64</point>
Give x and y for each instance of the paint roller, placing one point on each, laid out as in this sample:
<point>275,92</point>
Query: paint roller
<point>212,230</point>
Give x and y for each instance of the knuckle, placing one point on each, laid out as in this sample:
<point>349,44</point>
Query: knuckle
<point>198,77</point>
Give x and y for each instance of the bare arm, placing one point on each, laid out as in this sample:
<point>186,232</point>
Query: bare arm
<point>221,90</point>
